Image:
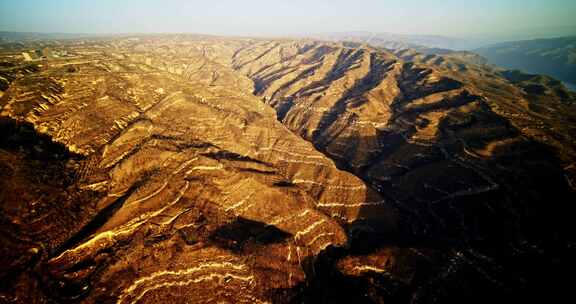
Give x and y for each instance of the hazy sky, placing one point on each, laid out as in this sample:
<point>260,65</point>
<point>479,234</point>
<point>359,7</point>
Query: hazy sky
<point>269,17</point>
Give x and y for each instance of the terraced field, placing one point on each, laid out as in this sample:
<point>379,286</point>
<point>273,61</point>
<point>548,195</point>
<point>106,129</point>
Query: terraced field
<point>203,169</point>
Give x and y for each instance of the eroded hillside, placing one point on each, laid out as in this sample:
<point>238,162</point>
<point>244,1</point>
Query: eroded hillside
<point>200,169</point>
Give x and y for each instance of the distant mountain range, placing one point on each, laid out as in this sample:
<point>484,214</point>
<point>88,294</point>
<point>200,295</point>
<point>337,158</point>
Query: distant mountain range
<point>555,57</point>
<point>399,41</point>
<point>469,42</point>
<point>6,36</point>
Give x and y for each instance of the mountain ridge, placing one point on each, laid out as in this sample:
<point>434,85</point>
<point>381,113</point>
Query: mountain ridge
<point>195,164</point>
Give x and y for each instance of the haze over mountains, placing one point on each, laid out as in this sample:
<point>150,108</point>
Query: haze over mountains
<point>554,57</point>
<point>297,152</point>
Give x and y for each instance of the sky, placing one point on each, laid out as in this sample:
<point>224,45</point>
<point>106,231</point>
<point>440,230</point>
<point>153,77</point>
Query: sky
<point>457,18</point>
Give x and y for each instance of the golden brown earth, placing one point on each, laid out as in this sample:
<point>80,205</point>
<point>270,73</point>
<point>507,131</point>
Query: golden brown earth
<point>188,169</point>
